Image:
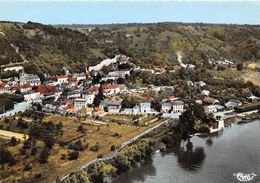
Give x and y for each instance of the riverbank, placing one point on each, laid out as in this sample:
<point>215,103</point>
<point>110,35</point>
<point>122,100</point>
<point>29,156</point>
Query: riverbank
<point>211,158</point>
<point>138,152</point>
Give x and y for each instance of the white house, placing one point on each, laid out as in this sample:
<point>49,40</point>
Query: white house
<point>32,97</point>
<point>89,97</point>
<point>145,107</point>
<point>79,76</point>
<point>120,73</point>
<point>199,84</point>
<point>61,79</point>
<point>31,79</point>
<point>80,103</point>
<point>166,107</point>
<point>111,106</point>
<point>205,92</point>
<point>177,106</point>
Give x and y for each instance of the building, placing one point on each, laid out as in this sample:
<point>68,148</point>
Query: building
<point>111,106</point>
<point>199,84</point>
<point>31,79</point>
<point>205,92</point>
<point>145,107</point>
<point>177,106</point>
<point>79,76</point>
<point>210,101</point>
<point>22,88</point>
<point>60,79</point>
<point>166,107</point>
<point>214,108</point>
<point>31,97</point>
<point>80,103</point>
<point>232,103</point>
<point>89,97</point>
<point>119,74</point>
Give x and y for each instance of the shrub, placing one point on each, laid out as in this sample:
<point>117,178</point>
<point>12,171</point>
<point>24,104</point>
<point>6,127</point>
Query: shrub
<point>6,157</point>
<point>73,155</point>
<point>44,155</point>
<point>13,141</point>
<point>113,148</point>
<point>95,147</point>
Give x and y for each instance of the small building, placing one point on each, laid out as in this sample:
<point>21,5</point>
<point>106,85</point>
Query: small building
<point>199,84</point>
<point>214,108</point>
<point>177,106</point>
<point>145,107</point>
<point>30,79</point>
<point>232,103</point>
<point>210,101</point>
<point>89,97</point>
<point>79,76</point>
<point>60,79</point>
<point>111,106</point>
<point>80,103</point>
<point>31,96</point>
<point>166,107</point>
<point>205,92</point>
<point>119,74</point>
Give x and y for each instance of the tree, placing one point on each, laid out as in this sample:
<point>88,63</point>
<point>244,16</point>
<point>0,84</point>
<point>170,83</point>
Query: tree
<point>6,157</point>
<point>240,66</point>
<point>113,148</point>
<point>44,155</point>
<point>13,141</point>
<point>73,155</point>
<point>187,122</point>
<point>81,129</point>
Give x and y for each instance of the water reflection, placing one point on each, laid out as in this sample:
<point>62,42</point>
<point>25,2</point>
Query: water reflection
<point>147,169</point>
<point>190,158</point>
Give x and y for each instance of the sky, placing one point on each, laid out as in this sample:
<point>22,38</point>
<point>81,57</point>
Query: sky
<point>134,11</point>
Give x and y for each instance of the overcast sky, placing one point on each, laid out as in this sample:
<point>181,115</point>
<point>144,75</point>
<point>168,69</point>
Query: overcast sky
<point>134,11</point>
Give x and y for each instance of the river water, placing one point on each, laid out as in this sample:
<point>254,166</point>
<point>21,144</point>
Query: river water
<point>209,159</point>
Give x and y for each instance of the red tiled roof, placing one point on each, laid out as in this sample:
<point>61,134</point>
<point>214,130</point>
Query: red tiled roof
<point>2,85</point>
<point>46,89</point>
<point>70,106</point>
<point>25,86</point>
<point>171,97</point>
<point>122,87</point>
<point>60,77</point>
<point>72,79</point>
<point>109,87</point>
<point>209,100</point>
<point>94,89</point>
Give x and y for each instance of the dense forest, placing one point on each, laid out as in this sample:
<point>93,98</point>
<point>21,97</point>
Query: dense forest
<point>49,48</point>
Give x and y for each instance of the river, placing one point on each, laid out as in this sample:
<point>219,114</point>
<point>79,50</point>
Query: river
<point>209,159</point>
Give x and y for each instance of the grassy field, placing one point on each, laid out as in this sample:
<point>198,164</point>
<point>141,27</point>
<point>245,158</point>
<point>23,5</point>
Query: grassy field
<point>123,118</point>
<point>103,134</point>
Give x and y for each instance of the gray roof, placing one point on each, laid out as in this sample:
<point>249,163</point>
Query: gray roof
<point>108,102</point>
<point>145,104</point>
<point>178,102</point>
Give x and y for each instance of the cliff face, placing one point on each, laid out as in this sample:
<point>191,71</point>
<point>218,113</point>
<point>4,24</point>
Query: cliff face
<point>49,48</point>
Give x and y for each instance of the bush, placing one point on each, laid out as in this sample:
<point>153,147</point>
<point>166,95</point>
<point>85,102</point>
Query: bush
<point>6,157</point>
<point>78,146</point>
<point>81,129</point>
<point>95,148</point>
<point>44,155</point>
<point>100,156</point>
<point>113,148</point>
<point>13,141</point>
<point>73,155</point>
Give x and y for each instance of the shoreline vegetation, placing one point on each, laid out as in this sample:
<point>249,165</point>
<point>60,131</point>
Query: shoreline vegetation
<point>139,152</point>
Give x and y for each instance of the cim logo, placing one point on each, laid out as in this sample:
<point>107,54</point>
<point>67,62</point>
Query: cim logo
<point>244,177</point>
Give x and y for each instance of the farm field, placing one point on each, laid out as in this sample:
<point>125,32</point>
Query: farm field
<point>105,135</point>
